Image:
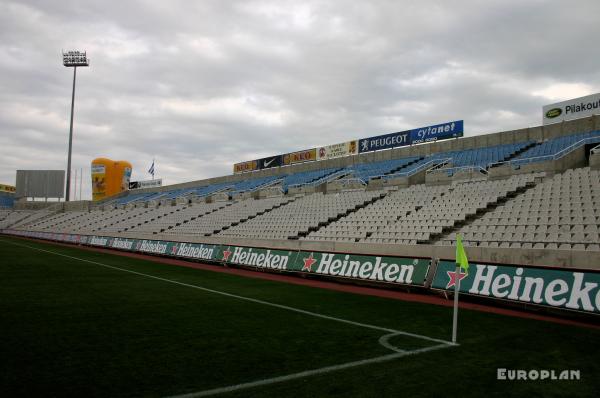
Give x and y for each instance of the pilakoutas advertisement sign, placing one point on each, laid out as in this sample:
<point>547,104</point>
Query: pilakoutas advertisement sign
<point>572,109</point>
<point>574,290</point>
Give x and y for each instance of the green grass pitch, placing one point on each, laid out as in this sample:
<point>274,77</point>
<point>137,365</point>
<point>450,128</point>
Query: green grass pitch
<point>72,326</point>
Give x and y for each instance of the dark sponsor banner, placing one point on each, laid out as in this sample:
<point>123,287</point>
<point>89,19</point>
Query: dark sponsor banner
<point>386,141</point>
<point>270,162</point>
<point>145,184</point>
<point>437,132</point>
<point>574,290</point>
<point>244,167</point>
<point>376,268</point>
<point>308,155</point>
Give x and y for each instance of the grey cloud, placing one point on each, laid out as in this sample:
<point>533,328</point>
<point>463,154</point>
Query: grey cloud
<point>202,85</point>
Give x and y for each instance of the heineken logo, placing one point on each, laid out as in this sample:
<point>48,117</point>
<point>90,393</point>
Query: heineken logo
<point>226,254</point>
<point>552,113</point>
<point>308,263</point>
<point>190,250</point>
<point>373,268</point>
<point>98,241</point>
<point>148,246</point>
<point>452,275</point>
<point>124,244</point>
<point>261,258</point>
<point>556,288</point>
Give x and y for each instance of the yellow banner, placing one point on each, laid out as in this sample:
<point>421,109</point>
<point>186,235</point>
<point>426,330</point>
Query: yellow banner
<point>243,167</point>
<point>308,155</point>
<point>7,188</point>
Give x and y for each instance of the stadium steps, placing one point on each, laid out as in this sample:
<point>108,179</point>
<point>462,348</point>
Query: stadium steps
<point>65,220</point>
<point>260,213</point>
<point>121,219</point>
<point>155,218</point>
<point>331,220</point>
<point>470,218</point>
<point>166,213</point>
<point>193,218</point>
<point>32,218</point>
<point>400,216</point>
<point>100,223</point>
<point>515,154</point>
<point>335,174</point>
<point>400,168</point>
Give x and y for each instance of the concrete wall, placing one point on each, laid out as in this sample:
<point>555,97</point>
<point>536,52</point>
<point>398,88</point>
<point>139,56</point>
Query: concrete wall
<point>24,205</point>
<point>595,160</point>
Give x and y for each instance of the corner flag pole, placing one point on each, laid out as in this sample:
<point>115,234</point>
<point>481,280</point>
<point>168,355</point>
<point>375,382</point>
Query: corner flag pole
<point>455,316</point>
<point>461,262</point>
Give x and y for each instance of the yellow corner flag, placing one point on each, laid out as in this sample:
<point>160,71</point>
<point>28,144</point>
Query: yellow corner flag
<point>461,256</point>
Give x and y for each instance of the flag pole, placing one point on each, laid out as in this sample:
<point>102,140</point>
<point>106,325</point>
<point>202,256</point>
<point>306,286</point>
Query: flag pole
<point>455,316</point>
<point>461,262</point>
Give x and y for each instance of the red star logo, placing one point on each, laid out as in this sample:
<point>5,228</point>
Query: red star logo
<point>308,262</point>
<point>452,276</point>
<point>226,254</point>
<point>174,249</point>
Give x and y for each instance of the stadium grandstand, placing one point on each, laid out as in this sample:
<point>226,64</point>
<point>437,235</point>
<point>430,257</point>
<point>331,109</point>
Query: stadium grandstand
<point>529,197</point>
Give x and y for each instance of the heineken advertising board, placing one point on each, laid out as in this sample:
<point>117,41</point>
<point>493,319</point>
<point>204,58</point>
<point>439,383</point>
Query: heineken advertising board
<point>260,258</point>
<point>197,251</point>
<point>574,290</point>
<point>399,270</point>
<point>375,268</point>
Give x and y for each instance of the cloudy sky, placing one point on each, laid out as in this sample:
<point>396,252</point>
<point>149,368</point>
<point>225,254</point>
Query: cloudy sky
<point>200,85</point>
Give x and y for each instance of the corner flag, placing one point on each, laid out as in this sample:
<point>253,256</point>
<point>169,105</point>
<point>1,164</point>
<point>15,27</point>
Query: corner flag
<point>461,263</point>
<point>461,256</point>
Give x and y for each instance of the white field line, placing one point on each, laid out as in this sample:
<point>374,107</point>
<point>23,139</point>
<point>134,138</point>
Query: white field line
<point>308,373</point>
<point>383,340</point>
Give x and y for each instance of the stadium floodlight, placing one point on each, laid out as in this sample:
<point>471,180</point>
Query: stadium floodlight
<point>72,59</point>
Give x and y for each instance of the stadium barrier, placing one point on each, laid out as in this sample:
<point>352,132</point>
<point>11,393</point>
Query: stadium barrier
<point>571,290</point>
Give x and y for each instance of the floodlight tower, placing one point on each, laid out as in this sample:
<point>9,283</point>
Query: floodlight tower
<point>72,59</point>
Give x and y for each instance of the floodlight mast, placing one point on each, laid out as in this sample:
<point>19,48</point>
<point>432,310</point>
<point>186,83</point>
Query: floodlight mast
<point>72,59</point>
